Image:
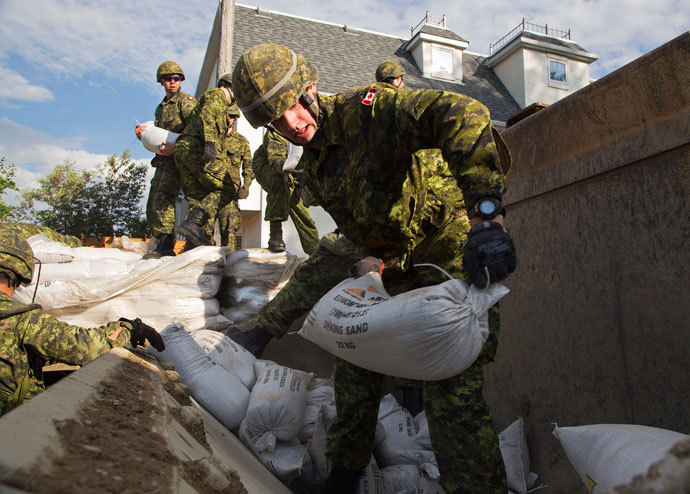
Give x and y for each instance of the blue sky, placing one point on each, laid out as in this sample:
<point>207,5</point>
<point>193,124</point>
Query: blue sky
<point>76,74</point>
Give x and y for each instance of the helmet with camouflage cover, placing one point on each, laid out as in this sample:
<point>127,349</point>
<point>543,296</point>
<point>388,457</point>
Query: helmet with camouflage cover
<point>270,79</point>
<point>389,69</point>
<point>234,110</point>
<point>16,257</point>
<point>169,68</point>
<point>225,80</point>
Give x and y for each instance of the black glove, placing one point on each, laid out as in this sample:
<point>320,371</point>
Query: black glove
<point>489,251</point>
<point>140,332</point>
<point>367,265</point>
<point>209,152</point>
<point>242,193</point>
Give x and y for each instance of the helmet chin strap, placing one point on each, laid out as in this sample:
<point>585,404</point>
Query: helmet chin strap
<point>313,109</point>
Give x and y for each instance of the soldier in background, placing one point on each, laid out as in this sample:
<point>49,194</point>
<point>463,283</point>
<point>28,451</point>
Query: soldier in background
<point>365,162</point>
<point>30,338</point>
<point>391,72</point>
<point>235,161</point>
<point>171,114</point>
<point>196,153</point>
<point>283,194</point>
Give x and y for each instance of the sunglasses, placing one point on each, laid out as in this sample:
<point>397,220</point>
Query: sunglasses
<point>172,78</point>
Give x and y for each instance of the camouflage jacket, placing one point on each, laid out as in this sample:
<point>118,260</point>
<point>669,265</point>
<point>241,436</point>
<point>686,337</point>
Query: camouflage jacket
<point>237,156</point>
<point>375,165</point>
<point>272,154</point>
<point>209,120</point>
<point>173,114</point>
<point>27,230</point>
<point>31,338</point>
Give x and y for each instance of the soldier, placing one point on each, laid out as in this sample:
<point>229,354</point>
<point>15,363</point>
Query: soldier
<point>283,194</point>
<point>235,157</point>
<point>391,72</point>
<point>196,151</point>
<point>29,338</point>
<point>364,161</point>
<point>172,114</point>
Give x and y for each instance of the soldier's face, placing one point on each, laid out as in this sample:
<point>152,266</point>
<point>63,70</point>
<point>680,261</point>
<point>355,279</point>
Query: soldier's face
<point>298,123</point>
<point>171,84</point>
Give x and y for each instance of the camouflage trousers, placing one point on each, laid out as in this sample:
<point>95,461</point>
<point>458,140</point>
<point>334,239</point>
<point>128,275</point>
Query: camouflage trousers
<point>209,186</point>
<point>160,206</point>
<point>283,199</point>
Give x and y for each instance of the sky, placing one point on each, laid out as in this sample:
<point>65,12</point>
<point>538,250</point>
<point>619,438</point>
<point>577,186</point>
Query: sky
<point>76,75</point>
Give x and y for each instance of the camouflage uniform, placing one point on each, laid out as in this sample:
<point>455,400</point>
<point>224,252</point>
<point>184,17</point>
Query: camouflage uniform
<point>398,200</point>
<point>235,156</point>
<point>171,114</point>
<point>30,338</point>
<point>202,181</point>
<point>26,230</point>
<point>283,190</point>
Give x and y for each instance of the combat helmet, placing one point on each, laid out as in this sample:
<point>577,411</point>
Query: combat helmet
<point>225,80</point>
<point>388,69</point>
<point>234,110</point>
<point>16,256</point>
<point>169,68</point>
<point>270,79</point>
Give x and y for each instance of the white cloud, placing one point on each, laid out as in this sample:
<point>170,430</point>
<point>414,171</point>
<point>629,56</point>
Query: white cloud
<point>35,154</point>
<point>15,86</point>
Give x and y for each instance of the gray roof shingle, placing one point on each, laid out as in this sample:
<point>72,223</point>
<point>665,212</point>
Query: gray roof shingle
<point>348,58</point>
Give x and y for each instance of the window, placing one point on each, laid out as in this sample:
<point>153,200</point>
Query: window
<point>442,63</point>
<point>557,72</point>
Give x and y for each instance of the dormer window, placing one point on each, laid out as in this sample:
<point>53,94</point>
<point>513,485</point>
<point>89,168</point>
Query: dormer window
<point>442,63</point>
<point>558,73</point>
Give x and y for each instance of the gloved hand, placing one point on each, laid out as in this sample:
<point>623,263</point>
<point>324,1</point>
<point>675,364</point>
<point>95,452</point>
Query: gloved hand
<point>140,332</point>
<point>242,193</point>
<point>254,341</point>
<point>209,152</point>
<point>489,251</point>
<point>367,265</point>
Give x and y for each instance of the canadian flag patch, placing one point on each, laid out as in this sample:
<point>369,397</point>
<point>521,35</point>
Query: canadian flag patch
<point>369,98</point>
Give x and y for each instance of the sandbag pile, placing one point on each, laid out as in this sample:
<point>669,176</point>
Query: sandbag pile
<point>252,278</point>
<point>91,286</point>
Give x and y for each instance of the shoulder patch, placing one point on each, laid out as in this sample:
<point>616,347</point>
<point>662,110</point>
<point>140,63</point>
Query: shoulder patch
<point>369,98</point>
<point>190,97</point>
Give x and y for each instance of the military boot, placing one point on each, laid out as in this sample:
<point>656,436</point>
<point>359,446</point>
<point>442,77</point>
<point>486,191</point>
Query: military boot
<point>192,229</point>
<point>254,341</point>
<point>275,240</point>
<point>165,247</point>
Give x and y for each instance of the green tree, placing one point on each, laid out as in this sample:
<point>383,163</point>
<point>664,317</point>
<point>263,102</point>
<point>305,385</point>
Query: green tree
<point>103,201</point>
<point>6,183</point>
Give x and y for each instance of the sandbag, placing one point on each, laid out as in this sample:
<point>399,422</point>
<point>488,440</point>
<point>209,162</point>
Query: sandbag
<point>49,251</point>
<point>429,334</point>
<point>513,444</point>
<point>288,460</point>
<point>608,455</point>
<point>371,481</point>
<point>398,445</point>
<point>228,354</point>
<point>276,405</point>
<point>319,395</point>
<point>216,389</point>
<point>153,137</point>
<point>400,479</point>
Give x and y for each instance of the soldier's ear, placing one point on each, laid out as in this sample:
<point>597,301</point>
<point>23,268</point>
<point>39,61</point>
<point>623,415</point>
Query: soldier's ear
<point>311,90</point>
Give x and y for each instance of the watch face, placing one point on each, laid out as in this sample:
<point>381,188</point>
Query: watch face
<point>487,207</point>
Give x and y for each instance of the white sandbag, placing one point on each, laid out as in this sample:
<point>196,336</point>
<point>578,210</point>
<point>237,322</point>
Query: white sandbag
<point>153,137</point>
<point>261,266</point>
<point>426,485</point>
<point>608,455</point>
<point>82,269</point>
<point>513,444</point>
<point>399,445</point>
<point>49,251</point>
<point>228,354</point>
<point>319,393</point>
<point>276,405</point>
<point>288,460</point>
<point>103,253</point>
<point>218,390</point>
<point>127,244</point>
<point>371,481</point>
<point>428,334</point>
<point>400,479</point>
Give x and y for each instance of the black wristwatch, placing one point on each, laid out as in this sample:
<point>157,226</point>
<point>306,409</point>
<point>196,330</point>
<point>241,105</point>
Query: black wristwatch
<point>487,209</point>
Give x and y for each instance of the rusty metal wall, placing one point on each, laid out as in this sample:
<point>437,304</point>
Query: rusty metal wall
<point>597,327</point>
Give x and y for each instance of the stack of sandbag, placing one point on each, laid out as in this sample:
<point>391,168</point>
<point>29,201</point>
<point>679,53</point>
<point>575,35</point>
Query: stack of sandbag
<point>429,334</point>
<point>252,278</point>
<point>610,455</point>
<point>216,388</point>
<point>274,418</point>
<point>91,286</point>
<point>513,444</point>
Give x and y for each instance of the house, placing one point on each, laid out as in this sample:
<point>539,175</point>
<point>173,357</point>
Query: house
<point>531,64</point>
